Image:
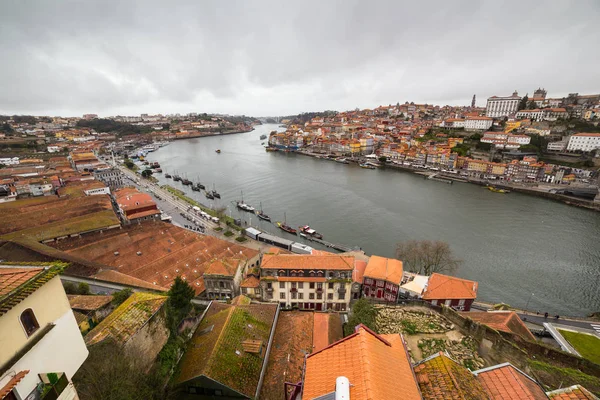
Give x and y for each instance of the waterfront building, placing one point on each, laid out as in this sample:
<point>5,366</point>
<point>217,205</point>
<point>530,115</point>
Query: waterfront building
<point>502,106</point>
<point>585,142</point>
<point>382,279</point>
<point>312,282</point>
<point>41,346</point>
<point>135,206</point>
<point>450,291</point>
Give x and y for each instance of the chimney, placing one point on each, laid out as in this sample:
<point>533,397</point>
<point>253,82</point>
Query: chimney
<point>342,388</point>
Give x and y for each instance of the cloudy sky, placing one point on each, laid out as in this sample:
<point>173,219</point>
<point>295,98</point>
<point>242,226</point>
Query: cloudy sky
<point>281,57</point>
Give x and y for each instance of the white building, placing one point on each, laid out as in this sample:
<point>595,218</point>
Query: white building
<point>584,142</point>
<point>558,146</point>
<point>545,114</point>
<point>503,140</point>
<point>478,123</point>
<point>9,161</point>
<point>502,106</point>
<point>41,346</point>
<point>53,149</point>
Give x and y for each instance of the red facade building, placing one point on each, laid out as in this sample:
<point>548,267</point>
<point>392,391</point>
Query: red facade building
<point>382,278</point>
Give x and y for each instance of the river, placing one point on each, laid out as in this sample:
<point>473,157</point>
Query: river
<point>513,245</point>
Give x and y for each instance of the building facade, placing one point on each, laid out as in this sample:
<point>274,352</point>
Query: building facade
<point>307,282</point>
<point>42,347</point>
<point>382,279</point>
<point>112,177</point>
<point>584,142</point>
<point>478,123</point>
<point>502,106</point>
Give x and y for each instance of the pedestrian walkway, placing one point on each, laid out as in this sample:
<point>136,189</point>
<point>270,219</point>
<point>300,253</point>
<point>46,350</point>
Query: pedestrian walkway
<point>596,327</point>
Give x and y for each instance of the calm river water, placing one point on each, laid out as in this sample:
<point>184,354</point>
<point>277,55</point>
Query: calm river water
<point>513,245</point>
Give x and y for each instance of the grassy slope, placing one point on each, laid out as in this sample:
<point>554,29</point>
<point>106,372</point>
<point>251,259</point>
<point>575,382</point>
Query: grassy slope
<point>586,345</point>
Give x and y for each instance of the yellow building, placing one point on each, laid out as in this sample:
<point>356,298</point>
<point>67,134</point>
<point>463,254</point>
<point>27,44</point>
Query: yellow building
<point>477,165</point>
<point>511,126</point>
<point>355,147</point>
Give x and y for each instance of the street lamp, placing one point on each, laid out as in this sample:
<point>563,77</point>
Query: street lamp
<point>527,305</point>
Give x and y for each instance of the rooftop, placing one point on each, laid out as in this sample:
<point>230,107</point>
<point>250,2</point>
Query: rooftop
<point>216,349</point>
<point>387,269</point>
<point>449,287</point>
<point>127,319</point>
<point>575,392</point>
<point>158,252</point>
<point>301,261</point>
<point>17,283</point>
<point>88,303</point>
<point>441,378</point>
<point>505,321</point>
<point>505,382</point>
<point>377,366</point>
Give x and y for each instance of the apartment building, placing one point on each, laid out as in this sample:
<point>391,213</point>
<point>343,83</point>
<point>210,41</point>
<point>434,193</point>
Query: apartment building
<point>584,142</point>
<point>502,106</point>
<point>319,282</point>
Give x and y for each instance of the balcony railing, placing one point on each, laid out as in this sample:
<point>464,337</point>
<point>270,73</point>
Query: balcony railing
<point>55,384</point>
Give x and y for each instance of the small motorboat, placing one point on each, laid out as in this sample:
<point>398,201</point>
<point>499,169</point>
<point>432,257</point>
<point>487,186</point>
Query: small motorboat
<point>168,176</point>
<point>263,137</point>
<point>496,190</point>
<point>243,206</point>
<point>309,231</point>
<point>158,170</point>
<point>209,195</point>
<point>218,151</point>
<point>367,166</point>
<point>342,161</point>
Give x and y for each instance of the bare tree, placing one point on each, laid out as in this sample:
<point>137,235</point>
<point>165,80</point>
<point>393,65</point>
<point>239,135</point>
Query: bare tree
<point>426,257</point>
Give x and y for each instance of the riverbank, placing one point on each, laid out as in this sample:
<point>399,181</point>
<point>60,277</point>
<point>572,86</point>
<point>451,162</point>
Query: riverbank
<point>444,177</point>
<point>209,134</point>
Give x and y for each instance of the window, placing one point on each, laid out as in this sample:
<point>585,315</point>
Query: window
<point>434,302</point>
<point>301,296</point>
<point>300,285</point>
<point>282,296</point>
<point>269,285</point>
<point>294,295</point>
<point>281,285</point>
<point>257,291</point>
<point>330,285</point>
<point>461,302</point>
<point>29,322</point>
<point>319,296</point>
<point>244,290</point>
<point>311,296</point>
<point>221,284</point>
<point>447,303</point>
<point>294,285</point>
<point>329,296</point>
<point>319,285</point>
<point>311,285</point>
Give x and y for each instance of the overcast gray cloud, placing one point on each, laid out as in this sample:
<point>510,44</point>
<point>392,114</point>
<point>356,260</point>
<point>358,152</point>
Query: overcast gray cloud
<point>279,57</point>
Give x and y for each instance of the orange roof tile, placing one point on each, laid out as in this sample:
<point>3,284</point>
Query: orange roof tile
<point>505,382</point>
<point>359,271</point>
<point>250,282</point>
<point>14,381</point>
<point>12,278</point>
<point>301,261</point>
<point>575,392</point>
<point>441,378</point>
<point>300,279</point>
<point>449,287</point>
<point>505,321</point>
<point>377,367</point>
<point>387,269</point>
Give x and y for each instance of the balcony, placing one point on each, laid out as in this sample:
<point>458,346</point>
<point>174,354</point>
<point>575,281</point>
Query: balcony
<point>319,290</point>
<point>294,290</point>
<point>54,387</point>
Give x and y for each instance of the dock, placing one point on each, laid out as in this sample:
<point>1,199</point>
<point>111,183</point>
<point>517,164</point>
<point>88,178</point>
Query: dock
<point>335,246</point>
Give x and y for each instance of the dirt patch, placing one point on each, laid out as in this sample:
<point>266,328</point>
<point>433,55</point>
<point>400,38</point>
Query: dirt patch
<point>293,340</point>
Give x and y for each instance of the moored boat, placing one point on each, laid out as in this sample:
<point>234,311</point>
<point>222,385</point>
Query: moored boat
<point>168,176</point>
<point>243,206</point>
<point>496,190</point>
<point>284,226</point>
<point>158,170</point>
<point>218,151</point>
<point>309,231</point>
<point>342,161</point>
<point>263,137</point>
<point>270,148</point>
<point>262,215</point>
<point>209,195</point>
<point>367,166</point>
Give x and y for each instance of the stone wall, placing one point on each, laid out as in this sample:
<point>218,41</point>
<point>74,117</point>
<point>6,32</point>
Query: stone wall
<point>498,347</point>
<point>148,341</point>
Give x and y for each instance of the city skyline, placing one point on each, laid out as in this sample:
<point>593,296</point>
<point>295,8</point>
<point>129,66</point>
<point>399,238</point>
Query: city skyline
<point>70,59</point>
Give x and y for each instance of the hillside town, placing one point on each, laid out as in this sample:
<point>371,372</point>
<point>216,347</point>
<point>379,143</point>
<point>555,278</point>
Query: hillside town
<point>92,264</point>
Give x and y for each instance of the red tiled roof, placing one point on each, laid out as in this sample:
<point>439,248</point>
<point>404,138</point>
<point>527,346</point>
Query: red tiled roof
<point>14,381</point>
<point>505,382</point>
<point>387,269</point>
<point>301,261</point>
<point>359,271</point>
<point>250,282</point>
<point>377,367</point>
<point>12,278</point>
<point>575,392</point>
<point>505,321</point>
<point>446,287</point>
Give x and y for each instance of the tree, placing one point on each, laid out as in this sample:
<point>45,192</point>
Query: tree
<point>383,159</point>
<point>461,149</point>
<point>426,257</point>
<point>147,173</point>
<point>363,312</point>
<point>83,288</point>
<point>111,373</point>
<point>523,103</point>
<point>129,164</point>
<point>120,296</point>
<point>180,294</point>
<point>70,288</point>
